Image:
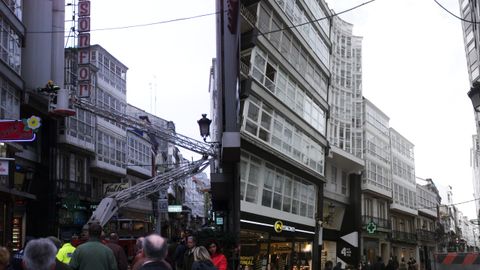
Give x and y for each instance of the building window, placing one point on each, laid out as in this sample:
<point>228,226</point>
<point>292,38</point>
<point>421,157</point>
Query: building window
<point>277,188</point>
<point>10,50</point>
<point>138,151</point>
<point>9,101</point>
<point>111,149</point>
<point>287,90</point>
<point>282,134</point>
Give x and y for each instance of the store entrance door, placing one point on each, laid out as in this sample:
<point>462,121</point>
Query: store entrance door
<point>280,255</point>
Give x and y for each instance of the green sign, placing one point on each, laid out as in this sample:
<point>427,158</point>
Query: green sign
<point>371,227</point>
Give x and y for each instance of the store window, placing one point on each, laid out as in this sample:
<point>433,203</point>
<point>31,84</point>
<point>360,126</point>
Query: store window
<point>265,251</point>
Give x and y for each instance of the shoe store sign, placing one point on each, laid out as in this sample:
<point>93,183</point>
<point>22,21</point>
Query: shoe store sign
<point>279,227</point>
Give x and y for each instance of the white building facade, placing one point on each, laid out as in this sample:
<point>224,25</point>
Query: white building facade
<point>285,74</point>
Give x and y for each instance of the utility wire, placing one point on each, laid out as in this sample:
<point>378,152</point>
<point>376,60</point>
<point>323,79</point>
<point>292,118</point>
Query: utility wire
<point>448,205</point>
<point>449,12</point>
<point>315,20</point>
<point>131,26</point>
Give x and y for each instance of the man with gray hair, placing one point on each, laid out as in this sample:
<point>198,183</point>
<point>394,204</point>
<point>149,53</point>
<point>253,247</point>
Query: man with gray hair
<point>39,255</point>
<point>155,251</point>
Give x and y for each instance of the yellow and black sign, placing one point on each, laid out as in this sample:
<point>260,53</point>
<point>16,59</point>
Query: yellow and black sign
<point>278,226</point>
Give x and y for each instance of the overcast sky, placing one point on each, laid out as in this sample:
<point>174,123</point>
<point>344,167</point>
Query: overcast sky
<point>414,70</point>
<point>169,64</point>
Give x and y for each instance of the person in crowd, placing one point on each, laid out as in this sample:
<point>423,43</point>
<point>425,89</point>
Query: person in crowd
<point>118,252</point>
<point>188,255</point>
<point>172,247</point>
<point>412,264</point>
<point>390,265</point>
<point>180,251</point>
<point>396,265</point>
<point>155,250</point>
<point>93,254</point>
<point>39,254</point>
<point>58,264</point>
<point>403,265</point>
<point>338,266</point>
<point>5,259</point>
<point>218,259</point>
<point>65,253</point>
<point>379,265</point>
<point>328,265</point>
<point>202,260</point>
<point>139,259</point>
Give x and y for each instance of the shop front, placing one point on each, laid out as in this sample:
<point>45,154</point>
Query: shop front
<point>272,244</point>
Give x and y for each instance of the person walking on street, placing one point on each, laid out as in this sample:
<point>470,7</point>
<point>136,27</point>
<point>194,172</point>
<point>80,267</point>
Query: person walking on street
<point>338,266</point>
<point>58,264</point>
<point>39,255</point>
<point>65,253</point>
<point>188,256</point>
<point>93,254</point>
<point>5,259</point>
<point>155,250</point>
<point>139,258</point>
<point>202,260</point>
<point>379,265</point>
<point>118,252</point>
<point>218,259</point>
<point>180,251</point>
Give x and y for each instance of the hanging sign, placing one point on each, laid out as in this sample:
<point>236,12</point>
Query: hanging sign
<point>19,130</point>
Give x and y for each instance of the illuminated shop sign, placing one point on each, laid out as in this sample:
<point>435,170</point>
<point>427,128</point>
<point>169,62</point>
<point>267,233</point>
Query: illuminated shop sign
<point>279,227</point>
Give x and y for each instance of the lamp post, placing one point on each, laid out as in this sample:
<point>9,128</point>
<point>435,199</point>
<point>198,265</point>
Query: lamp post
<point>474,95</point>
<point>204,125</point>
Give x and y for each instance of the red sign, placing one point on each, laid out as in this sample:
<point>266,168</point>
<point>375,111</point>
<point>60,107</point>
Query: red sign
<point>14,131</point>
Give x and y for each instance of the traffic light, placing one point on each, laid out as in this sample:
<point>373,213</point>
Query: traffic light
<point>232,10</point>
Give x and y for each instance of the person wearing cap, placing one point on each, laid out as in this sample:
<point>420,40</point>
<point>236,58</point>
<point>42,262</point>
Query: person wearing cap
<point>65,253</point>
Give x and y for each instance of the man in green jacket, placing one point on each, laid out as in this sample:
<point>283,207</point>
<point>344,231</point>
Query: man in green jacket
<point>93,254</point>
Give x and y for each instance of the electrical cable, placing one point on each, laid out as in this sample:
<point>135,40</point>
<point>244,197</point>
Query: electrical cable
<point>448,205</point>
<point>132,26</point>
<point>449,12</point>
<point>315,20</point>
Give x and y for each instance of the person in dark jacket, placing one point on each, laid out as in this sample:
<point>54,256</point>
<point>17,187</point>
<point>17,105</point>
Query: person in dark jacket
<point>202,260</point>
<point>379,265</point>
<point>118,252</point>
<point>188,255</point>
<point>338,266</point>
<point>155,250</point>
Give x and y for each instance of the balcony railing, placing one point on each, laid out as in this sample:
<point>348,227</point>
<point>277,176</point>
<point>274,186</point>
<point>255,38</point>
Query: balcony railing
<point>424,235</point>
<point>380,222</point>
<point>68,186</point>
<point>404,237</point>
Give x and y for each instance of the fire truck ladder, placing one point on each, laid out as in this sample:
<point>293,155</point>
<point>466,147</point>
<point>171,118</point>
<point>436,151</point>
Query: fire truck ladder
<point>109,206</point>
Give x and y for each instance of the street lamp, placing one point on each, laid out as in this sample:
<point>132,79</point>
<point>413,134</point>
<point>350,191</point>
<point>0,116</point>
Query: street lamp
<point>204,125</point>
<point>474,95</point>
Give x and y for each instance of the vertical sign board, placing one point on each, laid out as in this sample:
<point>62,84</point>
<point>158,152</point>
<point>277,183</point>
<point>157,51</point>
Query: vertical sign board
<point>83,72</point>
<point>347,248</point>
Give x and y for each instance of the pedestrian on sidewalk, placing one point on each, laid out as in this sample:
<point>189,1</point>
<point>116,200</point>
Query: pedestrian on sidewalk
<point>39,255</point>
<point>155,250</point>
<point>218,259</point>
<point>202,260</point>
<point>93,255</point>
<point>65,253</point>
<point>5,259</point>
<point>58,264</point>
<point>188,257</point>
<point>118,252</point>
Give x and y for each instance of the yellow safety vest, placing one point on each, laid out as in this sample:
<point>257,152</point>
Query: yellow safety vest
<point>65,253</point>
